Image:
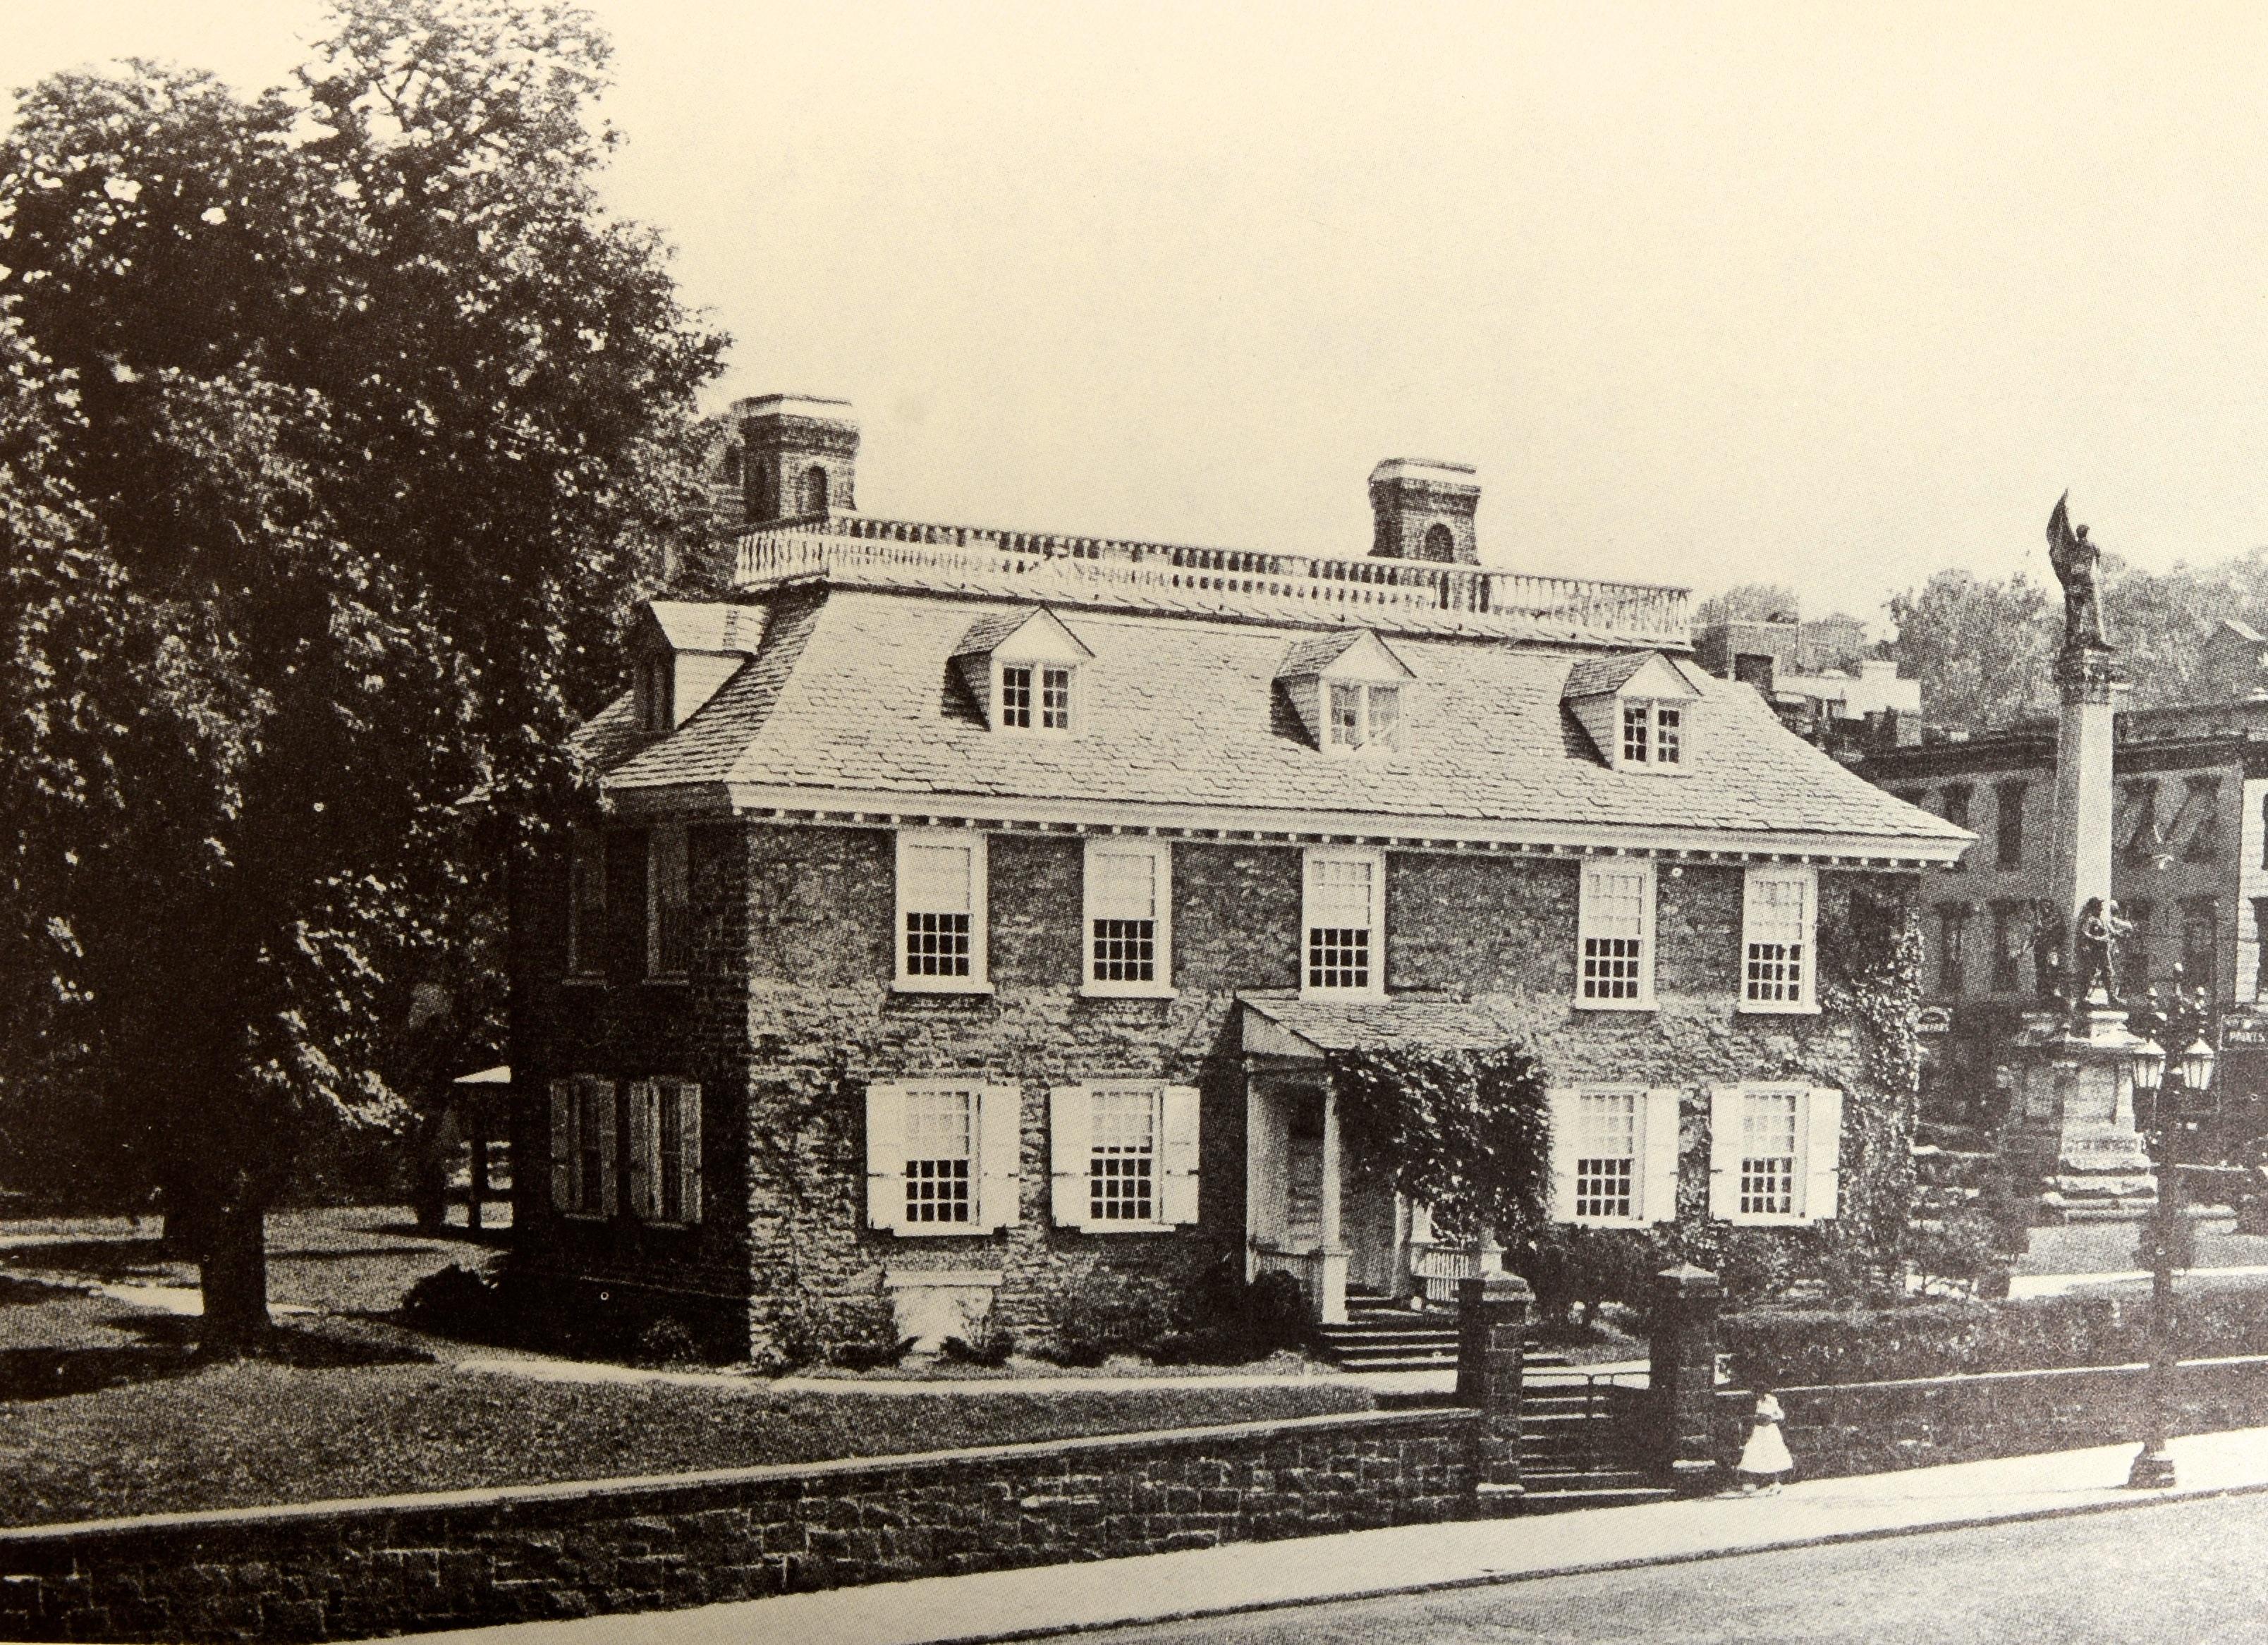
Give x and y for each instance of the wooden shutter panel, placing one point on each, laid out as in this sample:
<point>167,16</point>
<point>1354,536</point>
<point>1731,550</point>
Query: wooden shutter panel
<point>1000,1146</point>
<point>885,1156</point>
<point>689,1143</point>
<point>1659,1203</point>
<point>1724,1150</point>
<point>1180,1154</point>
<point>606,1140</point>
<point>563,1145</point>
<point>646,1151</point>
<point>1822,1154</point>
<point>1070,1135</point>
<point>1563,1108</point>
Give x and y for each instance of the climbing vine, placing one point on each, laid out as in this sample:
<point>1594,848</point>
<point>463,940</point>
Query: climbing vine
<point>1468,1133</point>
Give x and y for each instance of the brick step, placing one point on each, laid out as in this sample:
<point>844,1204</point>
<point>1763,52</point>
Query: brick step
<point>1568,1502</point>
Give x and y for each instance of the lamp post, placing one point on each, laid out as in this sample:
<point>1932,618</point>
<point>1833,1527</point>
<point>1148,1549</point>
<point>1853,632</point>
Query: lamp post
<point>2165,1081</point>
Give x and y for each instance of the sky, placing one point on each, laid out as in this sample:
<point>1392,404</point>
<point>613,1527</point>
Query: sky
<point>1832,296</point>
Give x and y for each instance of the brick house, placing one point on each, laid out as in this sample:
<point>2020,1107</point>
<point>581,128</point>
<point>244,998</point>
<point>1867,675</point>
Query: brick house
<point>967,911</point>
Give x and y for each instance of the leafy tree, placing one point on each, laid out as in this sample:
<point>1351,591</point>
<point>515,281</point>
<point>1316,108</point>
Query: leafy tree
<point>1468,1133</point>
<point>1748,602</point>
<point>1981,648</point>
<point>352,420</point>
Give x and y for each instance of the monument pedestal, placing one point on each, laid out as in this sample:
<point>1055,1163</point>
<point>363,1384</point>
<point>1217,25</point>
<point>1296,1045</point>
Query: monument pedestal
<point>2073,1122</point>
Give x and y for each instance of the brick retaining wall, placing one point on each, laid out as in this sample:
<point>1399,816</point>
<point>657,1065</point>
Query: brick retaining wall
<point>340,1570</point>
<point>1874,1428</point>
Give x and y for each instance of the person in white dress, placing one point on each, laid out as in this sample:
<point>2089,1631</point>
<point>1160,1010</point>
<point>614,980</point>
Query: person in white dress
<point>1764,1462</point>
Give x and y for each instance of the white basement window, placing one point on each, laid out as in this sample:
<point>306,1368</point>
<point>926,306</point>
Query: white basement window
<point>1778,954</point>
<point>1343,921</point>
<point>1123,1158</point>
<point>941,927</point>
<point>942,1156</point>
<point>1130,922</point>
<point>583,1147</point>
<point>665,1151</point>
<point>1614,1156</point>
<point>1615,935</point>
<point>1775,1154</point>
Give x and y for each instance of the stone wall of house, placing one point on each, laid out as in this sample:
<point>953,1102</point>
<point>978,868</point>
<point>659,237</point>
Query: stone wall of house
<point>817,1020</point>
<point>621,1273</point>
<point>411,1564</point>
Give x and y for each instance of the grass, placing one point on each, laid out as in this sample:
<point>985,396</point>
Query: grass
<point>105,1410</point>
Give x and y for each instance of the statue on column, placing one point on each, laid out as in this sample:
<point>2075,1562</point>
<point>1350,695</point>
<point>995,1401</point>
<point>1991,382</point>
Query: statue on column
<point>2075,559</point>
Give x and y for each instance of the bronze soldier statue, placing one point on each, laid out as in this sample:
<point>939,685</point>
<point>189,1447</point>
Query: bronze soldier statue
<point>2074,560</point>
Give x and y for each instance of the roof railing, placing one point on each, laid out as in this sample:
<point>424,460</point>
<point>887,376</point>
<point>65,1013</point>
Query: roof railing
<point>1421,595</point>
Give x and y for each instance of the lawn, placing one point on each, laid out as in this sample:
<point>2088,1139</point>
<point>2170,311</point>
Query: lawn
<point>104,1411</point>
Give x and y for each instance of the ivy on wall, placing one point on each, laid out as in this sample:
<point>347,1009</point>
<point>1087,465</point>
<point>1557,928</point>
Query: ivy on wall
<point>1467,1133</point>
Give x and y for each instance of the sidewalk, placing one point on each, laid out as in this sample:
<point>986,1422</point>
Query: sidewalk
<point>1256,1575</point>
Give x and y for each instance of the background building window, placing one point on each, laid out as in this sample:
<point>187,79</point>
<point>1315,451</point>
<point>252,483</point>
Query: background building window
<point>2008,836</point>
<point>2011,931</point>
<point>1956,813</point>
<point>1952,953</point>
<point>2134,948</point>
<point>2200,945</point>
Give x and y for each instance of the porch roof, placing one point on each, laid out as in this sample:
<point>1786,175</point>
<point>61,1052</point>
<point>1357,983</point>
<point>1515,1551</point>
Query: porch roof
<point>1287,1025</point>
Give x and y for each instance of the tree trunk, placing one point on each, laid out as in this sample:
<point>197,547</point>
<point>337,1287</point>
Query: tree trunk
<point>234,1274</point>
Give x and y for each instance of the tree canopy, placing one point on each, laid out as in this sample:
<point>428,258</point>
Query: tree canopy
<point>1748,602</point>
<point>340,424</point>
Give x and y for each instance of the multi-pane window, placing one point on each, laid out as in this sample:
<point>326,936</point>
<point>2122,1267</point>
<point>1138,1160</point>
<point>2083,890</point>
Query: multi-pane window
<point>1654,733</point>
<point>1776,941</point>
<point>2200,944</point>
<point>1122,1156</point>
<point>1768,1153</point>
<point>1129,894</point>
<point>1342,920</point>
<point>2009,834</point>
<point>940,1137</point>
<point>1615,933</point>
<point>2010,933</point>
<point>1953,949</point>
<point>665,1150</point>
<point>594,1149</point>
<point>587,906</point>
<point>1606,1159</point>
<point>669,915</point>
<point>1364,717</point>
<point>940,909</point>
<point>1034,695</point>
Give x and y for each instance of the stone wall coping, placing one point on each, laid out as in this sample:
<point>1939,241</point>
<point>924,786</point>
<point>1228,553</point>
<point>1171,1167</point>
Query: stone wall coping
<point>1971,1378</point>
<point>29,1538</point>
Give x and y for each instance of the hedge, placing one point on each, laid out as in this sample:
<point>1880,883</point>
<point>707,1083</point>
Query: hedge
<point>1795,1348</point>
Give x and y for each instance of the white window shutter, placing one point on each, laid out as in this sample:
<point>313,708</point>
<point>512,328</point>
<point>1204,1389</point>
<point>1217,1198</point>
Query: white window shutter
<point>688,1142</point>
<point>1000,1145</point>
<point>607,1147</point>
<point>1178,1198</point>
<point>1070,1144</point>
<point>1659,1203</point>
<point>1822,1154</point>
<point>1564,1108</point>
<point>885,1156</point>
<point>646,1151</point>
<point>1724,1150</point>
<point>564,1152</point>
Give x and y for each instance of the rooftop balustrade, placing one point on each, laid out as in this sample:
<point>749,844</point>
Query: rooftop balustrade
<point>1410,595</point>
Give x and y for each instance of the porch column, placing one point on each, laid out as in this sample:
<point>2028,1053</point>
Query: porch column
<point>1331,1261</point>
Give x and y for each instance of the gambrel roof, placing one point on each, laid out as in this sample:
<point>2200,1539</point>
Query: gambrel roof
<point>852,702</point>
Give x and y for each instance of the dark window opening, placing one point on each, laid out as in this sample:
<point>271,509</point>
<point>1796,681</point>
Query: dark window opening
<point>2010,834</point>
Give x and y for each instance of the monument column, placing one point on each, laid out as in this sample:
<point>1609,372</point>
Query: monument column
<point>2089,680</point>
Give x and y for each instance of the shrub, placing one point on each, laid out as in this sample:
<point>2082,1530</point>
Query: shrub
<point>667,1340</point>
<point>858,1332</point>
<point>1101,1313</point>
<point>1575,1268</point>
<point>456,1302</point>
<point>987,1344</point>
<point>1784,1347</point>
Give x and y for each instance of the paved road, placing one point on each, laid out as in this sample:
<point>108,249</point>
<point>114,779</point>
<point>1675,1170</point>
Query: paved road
<point>2163,1576</point>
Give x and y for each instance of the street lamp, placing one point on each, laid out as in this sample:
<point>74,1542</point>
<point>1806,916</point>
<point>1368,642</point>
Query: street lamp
<point>2192,1072</point>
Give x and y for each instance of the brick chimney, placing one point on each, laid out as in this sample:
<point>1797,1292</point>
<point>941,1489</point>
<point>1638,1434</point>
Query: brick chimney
<point>1423,511</point>
<point>794,456</point>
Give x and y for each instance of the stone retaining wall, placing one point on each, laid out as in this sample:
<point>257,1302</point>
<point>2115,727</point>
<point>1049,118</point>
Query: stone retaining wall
<point>341,1570</point>
<point>1874,1428</point>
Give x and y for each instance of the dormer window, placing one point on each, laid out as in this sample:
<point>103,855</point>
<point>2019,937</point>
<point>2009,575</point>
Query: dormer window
<point>1366,716</point>
<point>685,653</point>
<point>1349,689</point>
<point>1654,733</point>
<point>1637,707</point>
<point>656,689</point>
<point>1024,668</point>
